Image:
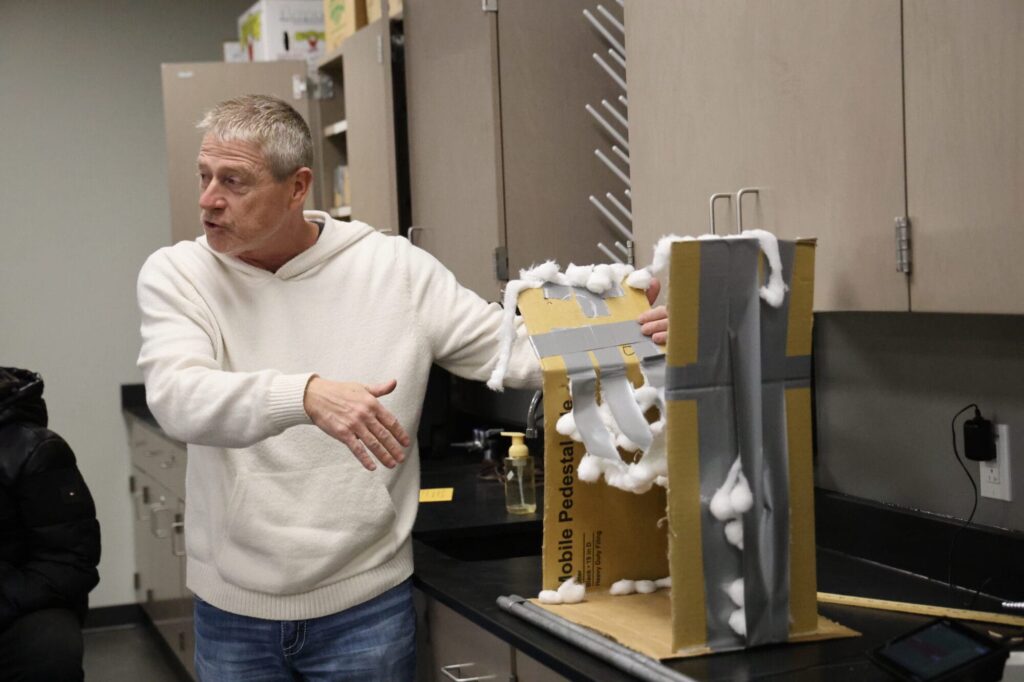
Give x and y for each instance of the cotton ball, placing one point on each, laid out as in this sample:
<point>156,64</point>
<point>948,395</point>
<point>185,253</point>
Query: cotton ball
<point>646,586</point>
<point>599,281</point>
<point>621,587</point>
<point>661,481</point>
<point>738,622</point>
<point>634,484</point>
<point>642,470</point>
<point>549,597</point>
<point>622,441</point>
<point>615,476</point>
<point>578,274</point>
<point>545,272</point>
<point>658,427</point>
<point>572,592</point>
<point>735,592</point>
<point>646,396</point>
<point>740,497</point>
<point>566,424</point>
<point>734,533</point>
<point>589,469</point>
<point>663,582</point>
<point>640,279</point>
<point>620,271</point>
<point>721,506</point>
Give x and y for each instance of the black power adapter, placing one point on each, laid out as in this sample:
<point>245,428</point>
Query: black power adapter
<point>979,438</point>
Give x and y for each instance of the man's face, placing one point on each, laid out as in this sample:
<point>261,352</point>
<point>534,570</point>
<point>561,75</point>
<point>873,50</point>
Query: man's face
<point>243,208</point>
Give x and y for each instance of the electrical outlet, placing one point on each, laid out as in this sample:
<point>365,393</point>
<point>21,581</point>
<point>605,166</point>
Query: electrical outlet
<point>995,474</point>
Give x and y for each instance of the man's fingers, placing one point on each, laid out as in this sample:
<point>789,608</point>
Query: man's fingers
<point>658,313</point>
<point>377,390</point>
<point>391,423</point>
<point>651,328</point>
<point>653,290</point>
<point>660,338</point>
<point>359,450</point>
<point>376,447</point>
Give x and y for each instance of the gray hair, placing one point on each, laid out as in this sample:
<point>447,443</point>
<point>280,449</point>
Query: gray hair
<point>269,123</point>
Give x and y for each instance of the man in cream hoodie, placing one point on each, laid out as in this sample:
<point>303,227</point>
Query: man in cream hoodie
<point>291,352</point>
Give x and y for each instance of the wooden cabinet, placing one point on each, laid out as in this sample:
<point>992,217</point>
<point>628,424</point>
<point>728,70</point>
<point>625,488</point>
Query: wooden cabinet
<point>157,486</point>
<point>805,101</point>
<point>501,149</point>
<point>189,90</point>
<point>801,100</point>
<point>965,154</point>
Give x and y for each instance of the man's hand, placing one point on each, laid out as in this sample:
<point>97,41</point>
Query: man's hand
<point>654,322</point>
<point>351,413</point>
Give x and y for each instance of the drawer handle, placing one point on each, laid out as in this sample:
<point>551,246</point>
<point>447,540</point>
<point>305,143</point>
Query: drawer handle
<point>457,675</point>
<point>177,530</point>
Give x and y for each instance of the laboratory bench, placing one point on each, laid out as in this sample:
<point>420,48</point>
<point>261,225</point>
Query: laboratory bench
<point>470,550</point>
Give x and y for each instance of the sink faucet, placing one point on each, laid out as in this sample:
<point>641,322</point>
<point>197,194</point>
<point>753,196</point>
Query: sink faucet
<point>482,442</point>
<point>531,414</point>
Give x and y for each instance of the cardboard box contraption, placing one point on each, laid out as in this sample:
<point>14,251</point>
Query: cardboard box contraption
<point>715,496</point>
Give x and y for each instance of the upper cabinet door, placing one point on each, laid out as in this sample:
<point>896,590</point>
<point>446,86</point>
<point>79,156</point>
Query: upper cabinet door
<point>548,76</point>
<point>454,137</point>
<point>189,91</point>
<point>802,100</point>
<point>965,154</point>
<point>369,110</point>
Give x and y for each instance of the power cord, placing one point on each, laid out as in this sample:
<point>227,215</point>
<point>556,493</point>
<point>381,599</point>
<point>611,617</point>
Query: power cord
<point>974,487</point>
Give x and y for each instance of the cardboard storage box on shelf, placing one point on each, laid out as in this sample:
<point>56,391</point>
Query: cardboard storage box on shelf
<point>342,18</point>
<point>374,11</point>
<point>737,380</point>
<point>272,30</point>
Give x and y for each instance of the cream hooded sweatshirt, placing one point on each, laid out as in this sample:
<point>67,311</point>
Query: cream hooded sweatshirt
<point>282,522</point>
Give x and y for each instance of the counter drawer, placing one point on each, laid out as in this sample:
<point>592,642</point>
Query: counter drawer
<point>159,456</point>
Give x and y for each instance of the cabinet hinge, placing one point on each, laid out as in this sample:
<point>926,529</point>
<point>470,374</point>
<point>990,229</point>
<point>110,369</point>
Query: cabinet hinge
<point>136,580</point>
<point>501,263</point>
<point>489,5</point>
<point>131,484</point>
<point>903,255</point>
<point>320,86</point>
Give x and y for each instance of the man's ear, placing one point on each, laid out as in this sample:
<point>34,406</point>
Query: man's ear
<point>301,183</point>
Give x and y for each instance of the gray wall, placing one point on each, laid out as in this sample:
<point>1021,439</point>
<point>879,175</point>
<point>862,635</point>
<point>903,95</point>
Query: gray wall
<point>887,386</point>
<point>83,201</point>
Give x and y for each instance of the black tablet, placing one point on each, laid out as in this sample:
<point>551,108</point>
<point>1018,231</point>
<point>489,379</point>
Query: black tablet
<point>942,650</point>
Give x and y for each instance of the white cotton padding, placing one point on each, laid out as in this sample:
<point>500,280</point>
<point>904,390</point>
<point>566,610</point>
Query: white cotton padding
<point>646,396</point>
<point>741,498</point>
<point>640,279</point>
<point>775,291</point>
<point>621,587</point>
<point>549,597</point>
<point>578,274</point>
<point>735,592</point>
<point>566,425</point>
<point>622,441</point>
<point>661,481</point>
<point>664,582</point>
<point>734,533</point>
<point>600,280</point>
<point>572,592</point>
<point>590,468</point>
<point>721,507</point>
<point>646,586</point>
<point>539,274</point>
<point>738,622</point>
<point>620,271</point>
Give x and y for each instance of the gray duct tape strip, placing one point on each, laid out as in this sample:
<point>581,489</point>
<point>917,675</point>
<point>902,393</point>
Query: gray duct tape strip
<point>618,393</point>
<point>634,664</point>
<point>583,383</point>
<point>583,339</point>
<point>591,304</point>
<point>652,361</point>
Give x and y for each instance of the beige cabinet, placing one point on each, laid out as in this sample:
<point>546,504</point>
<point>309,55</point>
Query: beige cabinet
<point>965,154</point>
<point>801,100</point>
<point>844,115</point>
<point>189,90</point>
<point>501,148</point>
<point>157,484</point>
<point>451,647</point>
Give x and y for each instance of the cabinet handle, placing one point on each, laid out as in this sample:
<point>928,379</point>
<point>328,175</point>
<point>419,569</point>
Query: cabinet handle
<point>177,530</point>
<point>137,502</point>
<point>715,197</point>
<point>411,232</point>
<point>446,670</point>
<point>739,205</point>
<point>154,521</point>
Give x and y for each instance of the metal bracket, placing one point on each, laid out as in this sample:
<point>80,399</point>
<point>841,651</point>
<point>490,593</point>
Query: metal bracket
<point>489,5</point>
<point>501,263</point>
<point>321,87</point>
<point>903,256</point>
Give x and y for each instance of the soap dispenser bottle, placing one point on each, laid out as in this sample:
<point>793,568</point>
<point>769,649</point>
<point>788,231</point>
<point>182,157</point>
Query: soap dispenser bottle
<point>520,493</point>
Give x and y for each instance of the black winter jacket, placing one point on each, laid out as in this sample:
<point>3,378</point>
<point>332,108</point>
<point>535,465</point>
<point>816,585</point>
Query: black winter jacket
<point>49,536</point>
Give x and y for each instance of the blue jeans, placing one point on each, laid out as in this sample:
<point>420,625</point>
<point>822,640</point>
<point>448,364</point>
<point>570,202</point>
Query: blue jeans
<point>375,640</point>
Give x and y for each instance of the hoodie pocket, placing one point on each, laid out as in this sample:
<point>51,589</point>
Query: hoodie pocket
<point>291,532</point>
